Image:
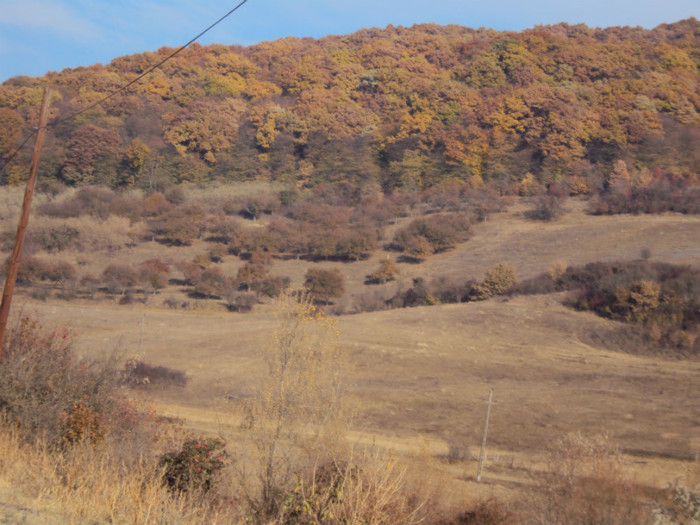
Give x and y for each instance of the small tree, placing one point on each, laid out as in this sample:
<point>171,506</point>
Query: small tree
<point>498,280</point>
<point>119,278</point>
<point>297,416</point>
<point>212,283</point>
<point>387,271</point>
<point>153,274</point>
<point>324,285</point>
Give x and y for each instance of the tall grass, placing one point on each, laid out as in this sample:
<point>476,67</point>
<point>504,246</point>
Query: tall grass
<point>87,485</point>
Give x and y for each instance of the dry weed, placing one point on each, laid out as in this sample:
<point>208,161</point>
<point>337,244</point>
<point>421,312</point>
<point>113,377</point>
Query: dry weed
<point>585,483</point>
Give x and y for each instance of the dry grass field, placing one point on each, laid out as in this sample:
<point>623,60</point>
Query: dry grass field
<point>419,378</point>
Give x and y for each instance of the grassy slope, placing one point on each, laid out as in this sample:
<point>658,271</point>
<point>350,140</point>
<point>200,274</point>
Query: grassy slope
<point>427,371</point>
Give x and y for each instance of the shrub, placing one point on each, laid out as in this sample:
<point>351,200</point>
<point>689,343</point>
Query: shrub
<point>489,512</point>
<point>418,295</point>
<point>31,269</point>
<point>682,505</point>
<point>217,253</point>
<point>61,272</point>
<point>371,301</point>
<point>137,373</point>
<point>172,303</point>
<point>433,234</point>
<point>498,281</point>
<point>90,200</point>
<point>240,302</point>
<point>176,228</point>
<point>212,282</point>
<point>191,272</point>
<point>155,205</point>
<point>49,393</point>
<point>153,274</point>
<point>228,231</point>
<point>118,278</point>
<point>584,483</point>
<point>195,466</point>
<point>547,207</point>
<point>58,238</point>
<point>254,206</point>
<point>387,271</point>
<point>662,196</point>
<point>272,285</point>
<point>324,285</point>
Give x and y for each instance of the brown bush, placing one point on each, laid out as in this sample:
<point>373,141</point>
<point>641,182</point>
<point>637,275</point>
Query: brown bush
<point>140,374</point>
<point>212,283</point>
<point>153,274</point>
<point>57,238</point>
<point>240,302</point>
<point>432,234</point>
<point>497,281</point>
<point>91,200</point>
<point>118,278</point>
<point>387,271</point>
<point>51,394</point>
<point>489,512</point>
<point>324,285</point>
<point>584,483</point>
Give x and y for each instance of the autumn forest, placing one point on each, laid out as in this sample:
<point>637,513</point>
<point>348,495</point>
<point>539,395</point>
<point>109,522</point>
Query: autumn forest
<point>381,110</point>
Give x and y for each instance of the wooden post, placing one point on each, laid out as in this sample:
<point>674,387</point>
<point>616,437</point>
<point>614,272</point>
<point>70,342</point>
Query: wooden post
<point>13,268</point>
<point>483,441</point>
<point>143,319</point>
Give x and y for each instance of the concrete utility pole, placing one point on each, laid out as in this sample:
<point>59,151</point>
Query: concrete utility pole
<point>13,268</point>
<point>483,441</point>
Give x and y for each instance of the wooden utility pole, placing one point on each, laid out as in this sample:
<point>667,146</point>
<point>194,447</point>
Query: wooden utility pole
<point>483,441</point>
<point>13,268</point>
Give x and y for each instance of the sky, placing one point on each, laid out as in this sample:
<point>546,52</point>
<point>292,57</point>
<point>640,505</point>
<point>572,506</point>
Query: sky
<point>37,36</point>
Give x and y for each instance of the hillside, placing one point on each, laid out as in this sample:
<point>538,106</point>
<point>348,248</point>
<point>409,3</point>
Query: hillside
<point>390,109</point>
<point>468,210</point>
<point>552,369</point>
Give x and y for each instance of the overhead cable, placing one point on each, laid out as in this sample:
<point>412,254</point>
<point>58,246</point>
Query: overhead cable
<point>125,86</point>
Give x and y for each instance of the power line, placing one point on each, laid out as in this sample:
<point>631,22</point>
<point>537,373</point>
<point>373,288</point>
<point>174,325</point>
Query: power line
<point>125,86</point>
<point>12,155</point>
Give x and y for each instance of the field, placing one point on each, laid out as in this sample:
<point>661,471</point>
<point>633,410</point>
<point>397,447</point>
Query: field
<point>419,378</point>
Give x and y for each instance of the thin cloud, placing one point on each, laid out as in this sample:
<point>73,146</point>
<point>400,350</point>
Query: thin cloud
<point>51,16</point>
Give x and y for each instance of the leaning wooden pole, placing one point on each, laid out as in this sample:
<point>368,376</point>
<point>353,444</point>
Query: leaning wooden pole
<point>13,268</point>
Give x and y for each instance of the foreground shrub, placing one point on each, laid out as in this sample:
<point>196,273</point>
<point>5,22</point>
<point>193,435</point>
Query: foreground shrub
<point>584,483</point>
<point>195,466</point>
<point>47,392</point>
<point>92,484</point>
<point>366,489</point>
<point>297,417</point>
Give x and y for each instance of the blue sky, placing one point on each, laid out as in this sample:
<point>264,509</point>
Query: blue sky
<point>37,36</point>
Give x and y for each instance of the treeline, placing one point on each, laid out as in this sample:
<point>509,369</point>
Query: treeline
<point>662,299</point>
<point>384,110</point>
<point>256,229</point>
<point>311,225</point>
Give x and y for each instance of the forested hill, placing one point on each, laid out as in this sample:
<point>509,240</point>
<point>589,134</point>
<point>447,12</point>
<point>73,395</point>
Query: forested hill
<point>393,108</point>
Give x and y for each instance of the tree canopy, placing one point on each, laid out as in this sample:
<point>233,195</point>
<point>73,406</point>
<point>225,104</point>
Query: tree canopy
<point>380,109</point>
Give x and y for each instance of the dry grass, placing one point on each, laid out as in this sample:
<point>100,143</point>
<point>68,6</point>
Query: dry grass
<point>420,376</point>
<point>86,485</point>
